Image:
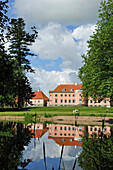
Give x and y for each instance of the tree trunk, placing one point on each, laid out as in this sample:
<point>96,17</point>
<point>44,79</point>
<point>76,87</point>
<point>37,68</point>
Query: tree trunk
<point>111,102</point>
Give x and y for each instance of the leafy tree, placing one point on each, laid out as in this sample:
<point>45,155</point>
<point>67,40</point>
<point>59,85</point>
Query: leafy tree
<point>97,152</point>
<point>97,71</point>
<point>20,40</point>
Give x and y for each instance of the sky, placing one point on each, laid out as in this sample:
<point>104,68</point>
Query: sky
<point>52,155</point>
<point>63,26</point>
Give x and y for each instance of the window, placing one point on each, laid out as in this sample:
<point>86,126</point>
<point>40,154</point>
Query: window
<point>73,101</point>
<point>104,101</point>
<point>73,134</point>
<point>73,95</point>
<point>91,129</point>
<point>60,128</point>
<point>55,100</point>
<point>95,129</point>
<point>80,101</point>
<point>38,101</point>
<point>65,128</point>
<point>61,101</point>
<point>71,140</point>
<point>99,130</point>
<point>63,140</point>
<point>55,95</point>
<point>68,134</point>
<point>64,134</point>
<point>80,94</point>
<point>69,128</point>
<point>91,101</point>
<point>61,95</point>
<point>65,95</point>
<point>55,134</point>
<point>65,101</point>
<point>73,128</point>
<point>69,101</point>
<point>60,134</point>
<point>69,95</point>
<point>55,128</point>
<point>80,135</point>
<point>80,128</point>
<point>71,89</point>
<point>105,129</point>
<point>63,89</point>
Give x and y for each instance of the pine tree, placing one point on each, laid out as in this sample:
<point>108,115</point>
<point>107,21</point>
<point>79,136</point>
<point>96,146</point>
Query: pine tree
<point>20,40</point>
<point>6,70</point>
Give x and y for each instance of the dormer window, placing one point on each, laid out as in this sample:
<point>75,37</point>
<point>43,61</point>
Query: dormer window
<point>71,89</point>
<point>63,89</point>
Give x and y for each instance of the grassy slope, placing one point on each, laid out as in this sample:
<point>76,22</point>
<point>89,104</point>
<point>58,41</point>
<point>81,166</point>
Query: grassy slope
<point>61,110</point>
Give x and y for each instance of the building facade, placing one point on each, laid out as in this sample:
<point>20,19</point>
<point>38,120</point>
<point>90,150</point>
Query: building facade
<point>38,98</point>
<point>71,95</point>
<point>66,95</point>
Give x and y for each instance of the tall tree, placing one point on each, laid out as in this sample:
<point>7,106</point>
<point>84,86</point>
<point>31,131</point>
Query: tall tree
<point>20,40</point>
<point>6,71</point>
<point>97,71</point>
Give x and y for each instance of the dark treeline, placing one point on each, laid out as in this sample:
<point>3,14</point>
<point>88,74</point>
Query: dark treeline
<point>14,84</point>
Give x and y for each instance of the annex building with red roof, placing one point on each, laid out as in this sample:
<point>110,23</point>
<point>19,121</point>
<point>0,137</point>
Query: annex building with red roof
<point>38,98</point>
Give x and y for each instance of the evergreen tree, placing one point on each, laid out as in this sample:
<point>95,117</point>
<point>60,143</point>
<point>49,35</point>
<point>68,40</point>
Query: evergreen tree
<point>6,70</point>
<point>20,40</point>
<point>97,71</point>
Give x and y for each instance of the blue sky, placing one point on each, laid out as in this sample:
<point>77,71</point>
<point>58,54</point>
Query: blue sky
<point>64,26</point>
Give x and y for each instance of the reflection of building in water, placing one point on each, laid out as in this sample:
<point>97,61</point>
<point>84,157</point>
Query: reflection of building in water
<point>97,129</point>
<point>38,129</point>
<point>72,135</point>
<point>66,134</point>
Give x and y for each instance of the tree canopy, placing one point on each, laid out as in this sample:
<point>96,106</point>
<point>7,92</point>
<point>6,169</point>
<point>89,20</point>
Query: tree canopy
<point>14,63</point>
<point>97,72</point>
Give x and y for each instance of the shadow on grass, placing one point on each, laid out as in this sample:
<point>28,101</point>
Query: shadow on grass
<point>13,109</point>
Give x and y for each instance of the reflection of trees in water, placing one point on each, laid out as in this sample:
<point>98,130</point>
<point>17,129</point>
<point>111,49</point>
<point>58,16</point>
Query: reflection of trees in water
<point>13,138</point>
<point>97,152</point>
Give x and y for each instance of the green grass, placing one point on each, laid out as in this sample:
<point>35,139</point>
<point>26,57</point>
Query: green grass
<point>58,110</point>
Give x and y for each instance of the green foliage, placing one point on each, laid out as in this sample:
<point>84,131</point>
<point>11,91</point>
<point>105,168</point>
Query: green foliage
<point>96,153</point>
<point>20,40</point>
<point>47,115</point>
<point>97,71</point>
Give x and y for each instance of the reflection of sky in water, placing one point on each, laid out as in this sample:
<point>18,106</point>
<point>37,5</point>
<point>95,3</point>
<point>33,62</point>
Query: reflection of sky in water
<point>53,152</point>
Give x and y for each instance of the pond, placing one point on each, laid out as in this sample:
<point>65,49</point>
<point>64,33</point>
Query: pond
<point>38,146</point>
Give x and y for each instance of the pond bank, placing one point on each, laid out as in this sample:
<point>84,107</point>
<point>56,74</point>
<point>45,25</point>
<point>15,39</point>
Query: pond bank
<point>81,120</point>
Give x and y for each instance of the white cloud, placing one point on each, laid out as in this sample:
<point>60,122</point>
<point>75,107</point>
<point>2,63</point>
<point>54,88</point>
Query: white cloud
<point>56,41</point>
<point>69,152</point>
<point>58,11</point>
<point>45,80</point>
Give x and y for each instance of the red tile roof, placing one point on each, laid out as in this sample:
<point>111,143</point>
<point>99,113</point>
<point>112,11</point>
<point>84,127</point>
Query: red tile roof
<point>38,133</point>
<point>68,88</point>
<point>66,141</point>
<point>39,95</point>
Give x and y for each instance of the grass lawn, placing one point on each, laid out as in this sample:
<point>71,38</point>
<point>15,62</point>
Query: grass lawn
<point>58,110</point>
